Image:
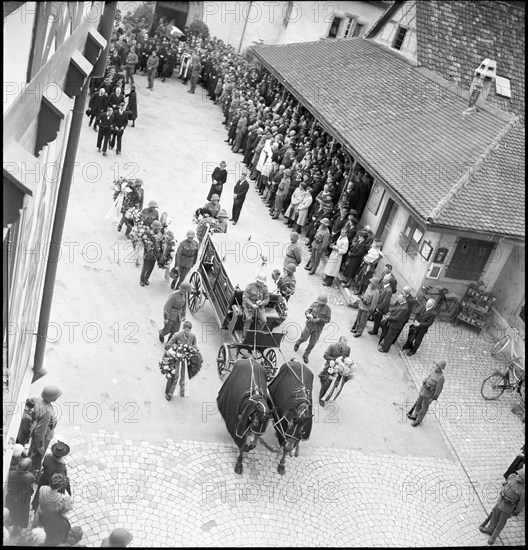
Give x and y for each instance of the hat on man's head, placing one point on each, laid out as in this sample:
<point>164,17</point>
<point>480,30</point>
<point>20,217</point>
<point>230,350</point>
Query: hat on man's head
<point>152,204</point>
<point>322,299</point>
<point>185,287</point>
<point>295,235</point>
<point>18,449</point>
<point>441,364</point>
<point>261,277</point>
<point>156,225</point>
<point>191,233</point>
<point>292,268</point>
<point>51,393</point>
<point>215,197</point>
<point>325,221</point>
<point>222,214</point>
<point>24,464</point>
<point>60,449</point>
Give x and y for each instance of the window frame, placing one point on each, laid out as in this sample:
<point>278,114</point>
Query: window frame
<point>408,243</point>
<point>341,18</point>
<point>399,27</point>
<point>363,27</point>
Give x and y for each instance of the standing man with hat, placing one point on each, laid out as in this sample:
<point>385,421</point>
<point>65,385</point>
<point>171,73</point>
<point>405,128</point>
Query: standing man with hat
<point>317,315</point>
<point>174,311</point>
<point>393,322</point>
<point>431,389</point>
<point>239,195</point>
<point>43,425</point>
<point>151,254</point>
<point>293,252</point>
<point>366,306</point>
<point>186,256</point>
<point>219,177</point>
<point>510,503</point>
<point>53,464</point>
<point>286,283</point>
<point>383,305</point>
<point>254,300</point>
<point>149,214</point>
<point>118,538</point>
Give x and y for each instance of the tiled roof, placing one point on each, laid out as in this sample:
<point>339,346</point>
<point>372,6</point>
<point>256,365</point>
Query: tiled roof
<point>453,37</point>
<point>409,130</point>
<point>494,198</point>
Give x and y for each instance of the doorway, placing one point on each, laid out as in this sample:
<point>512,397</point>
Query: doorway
<point>386,220</point>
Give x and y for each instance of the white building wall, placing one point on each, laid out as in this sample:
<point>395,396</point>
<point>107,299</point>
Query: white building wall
<point>309,21</point>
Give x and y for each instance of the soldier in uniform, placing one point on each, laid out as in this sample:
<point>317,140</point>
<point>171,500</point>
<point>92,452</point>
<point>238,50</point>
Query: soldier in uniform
<point>317,315</point>
<point>174,311</point>
<point>183,337</point>
<point>286,283</point>
<point>293,253</point>
<point>333,351</point>
<point>186,256</point>
<point>432,387</point>
<point>254,300</point>
<point>196,66</point>
<point>320,244</point>
<point>510,503</point>
<point>43,425</point>
<point>150,214</point>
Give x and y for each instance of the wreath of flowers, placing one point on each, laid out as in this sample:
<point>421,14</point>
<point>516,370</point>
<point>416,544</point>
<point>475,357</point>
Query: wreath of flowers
<point>282,307</point>
<point>144,234</point>
<point>168,247</point>
<point>339,367</point>
<point>179,352</point>
<point>212,223</point>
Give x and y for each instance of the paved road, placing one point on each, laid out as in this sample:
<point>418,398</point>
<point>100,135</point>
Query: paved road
<point>396,485</point>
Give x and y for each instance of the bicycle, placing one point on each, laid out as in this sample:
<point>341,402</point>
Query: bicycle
<point>502,343</point>
<point>447,309</point>
<point>497,383</point>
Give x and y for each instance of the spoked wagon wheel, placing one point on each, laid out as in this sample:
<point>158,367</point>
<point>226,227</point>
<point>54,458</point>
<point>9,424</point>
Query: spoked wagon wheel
<point>270,359</point>
<point>223,361</point>
<point>196,293</point>
<point>493,386</point>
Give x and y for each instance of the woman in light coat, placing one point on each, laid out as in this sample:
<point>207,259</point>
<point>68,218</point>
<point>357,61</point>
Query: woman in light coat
<point>303,208</point>
<point>333,265</point>
<point>264,165</point>
<point>296,199</point>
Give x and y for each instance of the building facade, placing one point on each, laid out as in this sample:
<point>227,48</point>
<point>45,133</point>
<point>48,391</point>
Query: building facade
<point>54,48</point>
<point>243,24</point>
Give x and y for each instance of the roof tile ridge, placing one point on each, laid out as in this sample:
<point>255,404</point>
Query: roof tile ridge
<point>473,169</point>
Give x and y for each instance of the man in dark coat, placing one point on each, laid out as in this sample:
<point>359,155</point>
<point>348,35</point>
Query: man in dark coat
<point>383,304</point>
<point>116,98</point>
<point>219,177</point>
<point>394,322</point>
<point>97,105</point>
<point>18,494</point>
<point>151,255</point>
<point>150,214</point>
<point>120,122</point>
<point>132,105</point>
<point>239,195</point>
<point>417,332</point>
<point>174,311</point>
<point>356,252</point>
<point>105,122</point>
<point>432,387</point>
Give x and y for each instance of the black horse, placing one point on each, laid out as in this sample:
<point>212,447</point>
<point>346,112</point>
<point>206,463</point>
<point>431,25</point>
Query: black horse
<point>243,404</point>
<point>291,401</point>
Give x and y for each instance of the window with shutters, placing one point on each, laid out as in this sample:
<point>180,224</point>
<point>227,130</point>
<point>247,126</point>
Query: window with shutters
<point>469,259</point>
<point>399,38</point>
<point>411,238</point>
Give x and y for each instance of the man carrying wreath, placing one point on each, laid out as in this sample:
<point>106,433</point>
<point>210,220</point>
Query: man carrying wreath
<point>333,351</point>
<point>180,374</point>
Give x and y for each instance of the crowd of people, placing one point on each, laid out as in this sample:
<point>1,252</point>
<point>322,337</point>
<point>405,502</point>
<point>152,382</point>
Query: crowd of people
<point>34,472</point>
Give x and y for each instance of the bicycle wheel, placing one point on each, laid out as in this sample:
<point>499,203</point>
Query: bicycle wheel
<point>493,386</point>
<point>448,310</point>
<point>500,345</point>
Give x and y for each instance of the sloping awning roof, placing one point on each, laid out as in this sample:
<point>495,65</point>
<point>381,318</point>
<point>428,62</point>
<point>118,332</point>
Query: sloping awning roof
<point>408,129</point>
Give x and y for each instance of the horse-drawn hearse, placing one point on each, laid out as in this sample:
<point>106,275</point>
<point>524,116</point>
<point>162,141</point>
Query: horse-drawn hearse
<point>254,390</point>
<point>223,272</point>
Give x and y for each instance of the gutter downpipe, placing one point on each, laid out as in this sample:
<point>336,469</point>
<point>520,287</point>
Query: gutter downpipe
<point>245,25</point>
<point>106,27</point>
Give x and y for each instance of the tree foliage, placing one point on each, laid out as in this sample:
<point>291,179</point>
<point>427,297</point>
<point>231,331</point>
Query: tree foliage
<point>198,26</point>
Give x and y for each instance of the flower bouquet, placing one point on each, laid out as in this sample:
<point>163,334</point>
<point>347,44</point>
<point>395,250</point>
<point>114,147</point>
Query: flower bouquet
<point>125,196</point>
<point>176,357</point>
<point>204,223</point>
<point>335,374</point>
